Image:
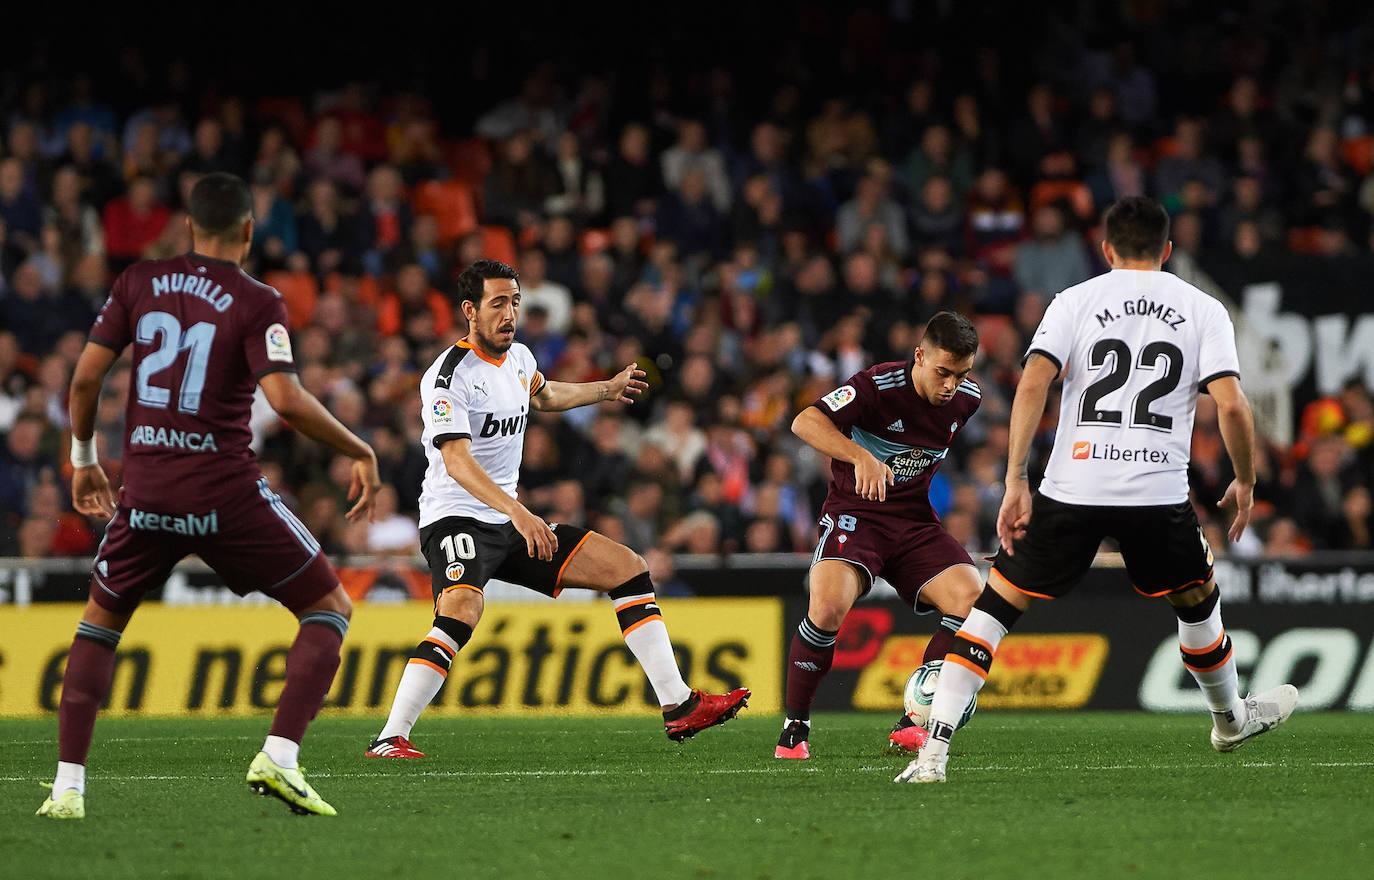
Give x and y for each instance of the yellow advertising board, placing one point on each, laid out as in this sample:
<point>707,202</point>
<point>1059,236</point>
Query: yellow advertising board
<point>525,658</point>
<point>1058,671</point>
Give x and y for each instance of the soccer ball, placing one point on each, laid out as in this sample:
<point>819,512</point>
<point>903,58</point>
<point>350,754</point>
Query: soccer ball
<point>920,690</point>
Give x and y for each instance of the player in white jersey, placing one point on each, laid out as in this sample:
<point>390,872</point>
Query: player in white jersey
<point>1134,347</point>
<point>475,402</point>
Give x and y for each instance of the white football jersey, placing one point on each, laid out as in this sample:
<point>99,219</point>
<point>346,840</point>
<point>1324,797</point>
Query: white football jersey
<point>1136,347</point>
<point>465,394</point>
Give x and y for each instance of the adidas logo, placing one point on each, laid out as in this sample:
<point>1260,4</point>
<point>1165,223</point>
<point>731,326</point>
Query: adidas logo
<point>807,665</point>
<point>896,426</point>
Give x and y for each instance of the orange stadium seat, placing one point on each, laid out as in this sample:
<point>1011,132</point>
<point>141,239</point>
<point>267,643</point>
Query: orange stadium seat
<point>1305,239</point>
<point>1075,192</point>
<point>498,244</point>
<point>299,290</point>
<point>1358,153</point>
<point>451,204</point>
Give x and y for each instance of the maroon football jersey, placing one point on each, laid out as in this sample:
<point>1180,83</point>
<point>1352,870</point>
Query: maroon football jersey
<point>203,332</point>
<point>880,410</point>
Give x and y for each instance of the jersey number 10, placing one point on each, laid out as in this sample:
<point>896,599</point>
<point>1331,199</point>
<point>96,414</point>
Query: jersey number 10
<point>1090,408</point>
<point>197,339</point>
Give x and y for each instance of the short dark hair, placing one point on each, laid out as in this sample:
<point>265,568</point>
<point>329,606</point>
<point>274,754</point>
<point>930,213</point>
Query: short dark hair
<point>1138,228</point>
<point>472,283</point>
<point>952,332</point>
<point>219,204</point>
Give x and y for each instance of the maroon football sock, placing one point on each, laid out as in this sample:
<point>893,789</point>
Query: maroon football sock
<point>85,684</point>
<point>807,664</point>
<point>310,668</point>
<point>938,646</point>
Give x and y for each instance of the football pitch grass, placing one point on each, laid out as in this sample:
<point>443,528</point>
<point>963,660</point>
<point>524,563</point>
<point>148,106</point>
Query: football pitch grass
<point>1029,795</point>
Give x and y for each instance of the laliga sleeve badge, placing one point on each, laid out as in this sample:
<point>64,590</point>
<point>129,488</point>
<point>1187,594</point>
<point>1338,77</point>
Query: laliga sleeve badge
<point>278,344</point>
<point>839,397</point>
<point>441,412</point>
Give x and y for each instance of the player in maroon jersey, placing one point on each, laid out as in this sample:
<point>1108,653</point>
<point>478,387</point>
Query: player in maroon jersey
<point>885,430</point>
<point>204,336</point>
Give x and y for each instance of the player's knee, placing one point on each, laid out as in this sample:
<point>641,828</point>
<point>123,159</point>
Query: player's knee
<point>826,612</point>
<point>962,597</point>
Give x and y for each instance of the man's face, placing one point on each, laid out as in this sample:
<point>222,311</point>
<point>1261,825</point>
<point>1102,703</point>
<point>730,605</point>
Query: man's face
<point>492,322</point>
<point>938,373</point>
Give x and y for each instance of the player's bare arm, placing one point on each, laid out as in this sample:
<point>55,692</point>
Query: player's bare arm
<point>306,414</point>
<point>624,387</point>
<point>540,540</point>
<point>1237,424</point>
<point>91,492</point>
<point>871,477</point>
<point>1026,409</point>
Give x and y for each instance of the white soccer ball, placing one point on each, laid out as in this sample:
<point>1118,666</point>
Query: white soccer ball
<point>920,690</point>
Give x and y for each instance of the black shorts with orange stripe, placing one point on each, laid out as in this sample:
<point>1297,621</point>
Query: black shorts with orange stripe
<point>1163,547</point>
<point>465,553</point>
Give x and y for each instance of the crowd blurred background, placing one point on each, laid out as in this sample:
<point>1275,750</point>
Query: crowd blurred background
<point>751,216</point>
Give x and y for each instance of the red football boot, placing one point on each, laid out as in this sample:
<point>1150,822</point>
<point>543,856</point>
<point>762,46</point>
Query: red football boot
<point>906,736</point>
<point>704,710</point>
<point>393,747</point>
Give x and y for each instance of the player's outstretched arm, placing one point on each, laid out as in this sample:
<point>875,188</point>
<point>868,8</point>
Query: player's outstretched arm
<point>1026,409</point>
<point>1237,424</point>
<point>467,472</point>
<point>306,414</point>
<point>91,493</point>
<point>871,477</point>
<point>623,388</point>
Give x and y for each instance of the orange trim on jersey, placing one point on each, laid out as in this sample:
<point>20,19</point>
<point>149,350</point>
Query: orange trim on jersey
<point>431,664</point>
<point>1198,652</point>
<point>447,649</point>
<point>463,343</point>
<point>632,603</point>
<point>968,664</point>
<point>564,567</point>
<point>537,383</point>
<point>1001,578</point>
<point>638,623</point>
<point>1224,661</point>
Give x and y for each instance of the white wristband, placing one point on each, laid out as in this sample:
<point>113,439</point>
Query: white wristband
<point>83,452</point>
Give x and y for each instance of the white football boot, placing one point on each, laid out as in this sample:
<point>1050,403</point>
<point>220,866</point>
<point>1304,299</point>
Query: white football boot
<point>1263,712</point>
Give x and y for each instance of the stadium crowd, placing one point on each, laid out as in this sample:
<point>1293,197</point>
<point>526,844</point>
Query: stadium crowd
<point>750,236</point>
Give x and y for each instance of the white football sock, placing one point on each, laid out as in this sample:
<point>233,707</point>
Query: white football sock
<point>69,775</point>
<point>1219,682</point>
<point>284,752</point>
<point>651,647</point>
<point>958,684</point>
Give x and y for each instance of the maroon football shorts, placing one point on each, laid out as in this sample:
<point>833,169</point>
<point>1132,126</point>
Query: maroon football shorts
<point>248,536</point>
<point>907,554</point>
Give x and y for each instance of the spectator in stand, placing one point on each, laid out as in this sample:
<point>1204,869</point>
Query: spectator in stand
<point>1122,176</point>
<point>20,208</point>
<point>274,224</point>
<point>1286,540</point>
<point>688,218</point>
<point>1190,161</point>
<point>72,535</point>
<point>872,204</point>
<point>938,156</point>
<point>132,222</point>
<point>327,158</point>
<point>1037,133</point>
<point>995,221</point>
<point>391,533</point>
<point>82,234</point>
<point>633,181</point>
<point>414,307</point>
<point>1323,187</point>
<point>767,157</point>
<point>841,136</point>
<point>1319,495</point>
<point>383,218</point>
<point>536,290</point>
<point>1094,135</point>
<point>100,180</point>
<point>22,464</point>
<point>692,151</point>
<point>1247,205</point>
<point>1241,117</point>
<point>1053,258</point>
<point>32,315</point>
<point>519,182</point>
<point>937,218</point>
<point>326,234</point>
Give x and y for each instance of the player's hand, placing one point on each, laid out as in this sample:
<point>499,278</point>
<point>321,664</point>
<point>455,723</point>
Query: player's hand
<point>91,492</point>
<point>540,540</point>
<point>627,385</point>
<point>363,485</point>
<point>1015,514</point>
<point>871,478</point>
<point>1242,497</point>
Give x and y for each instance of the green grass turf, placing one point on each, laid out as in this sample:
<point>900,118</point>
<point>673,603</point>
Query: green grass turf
<point>1029,795</point>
